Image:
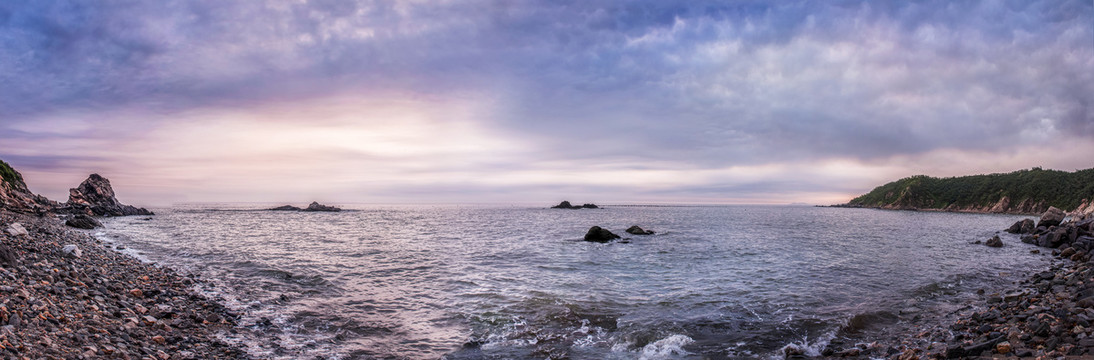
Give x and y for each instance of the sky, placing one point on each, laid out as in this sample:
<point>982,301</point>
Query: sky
<point>538,101</point>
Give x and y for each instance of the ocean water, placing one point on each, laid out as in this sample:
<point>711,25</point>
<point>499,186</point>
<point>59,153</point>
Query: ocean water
<point>513,282</point>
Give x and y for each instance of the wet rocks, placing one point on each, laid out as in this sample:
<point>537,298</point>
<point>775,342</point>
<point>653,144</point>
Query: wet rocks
<point>566,205</point>
<point>995,241</point>
<point>598,234</point>
<point>54,305</point>
<point>635,230</point>
<point>1025,226</point>
<point>81,221</point>
<point>95,196</point>
<point>315,206</point>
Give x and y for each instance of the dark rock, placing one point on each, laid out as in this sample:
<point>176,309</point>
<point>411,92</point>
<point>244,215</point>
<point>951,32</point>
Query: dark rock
<point>589,206</point>
<point>315,206</point>
<point>81,221</point>
<point>995,241</point>
<point>1025,226</point>
<point>598,234</point>
<point>1067,252</point>
<point>94,196</point>
<point>1052,217</point>
<point>639,231</point>
<point>286,208</point>
<point>563,205</point>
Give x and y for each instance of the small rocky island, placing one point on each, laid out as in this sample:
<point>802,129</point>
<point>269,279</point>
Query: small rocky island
<point>313,207</point>
<point>566,205</point>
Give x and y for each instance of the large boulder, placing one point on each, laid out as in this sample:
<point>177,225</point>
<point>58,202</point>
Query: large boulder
<point>598,234</point>
<point>94,196</point>
<point>1052,217</point>
<point>81,221</point>
<point>639,231</point>
<point>1025,226</point>
<point>315,206</point>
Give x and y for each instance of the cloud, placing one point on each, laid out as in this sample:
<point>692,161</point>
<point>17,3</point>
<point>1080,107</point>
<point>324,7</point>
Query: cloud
<point>621,90</point>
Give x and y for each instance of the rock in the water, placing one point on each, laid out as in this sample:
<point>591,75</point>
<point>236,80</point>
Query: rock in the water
<point>17,229</point>
<point>1052,217</point>
<point>315,206</point>
<point>72,250</point>
<point>94,196</point>
<point>566,205</point>
<point>286,208</point>
<point>82,221</point>
<point>995,241</point>
<point>1025,226</point>
<point>638,231</point>
<point>599,234</point>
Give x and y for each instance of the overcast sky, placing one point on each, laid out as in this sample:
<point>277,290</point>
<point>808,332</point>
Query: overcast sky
<point>538,101</point>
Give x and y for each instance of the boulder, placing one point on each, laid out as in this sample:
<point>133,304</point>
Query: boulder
<point>598,234</point>
<point>638,231</point>
<point>17,229</point>
<point>81,221</point>
<point>1052,217</point>
<point>285,208</point>
<point>95,196</point>
<point>995,241</point>
<point>1025,226</point>
<point>72,250</point>
<point>315,206</point>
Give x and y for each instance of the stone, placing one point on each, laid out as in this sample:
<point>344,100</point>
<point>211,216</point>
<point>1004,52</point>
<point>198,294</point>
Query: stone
<point>81,221</point>
<point>1025,226</point>
<point>71,250</point>
<point>1067,252</point>
<point>638,231</point>
<point>1052,217</point>
<point>286,208</point>
<point>1003,347</point>
<point>598,234</point>
<point>17,229</point>
<point>316,206</point>
<point>137,293</point>
<point>995,241</point>
<point>563,205</point>
<point>95,196</point>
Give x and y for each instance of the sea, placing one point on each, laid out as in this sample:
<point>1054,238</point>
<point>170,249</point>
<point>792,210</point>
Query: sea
<point>519,282</point>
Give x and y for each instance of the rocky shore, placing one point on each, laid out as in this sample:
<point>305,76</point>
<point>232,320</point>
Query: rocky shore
<point>1048,315</point>
<point>63,295</point>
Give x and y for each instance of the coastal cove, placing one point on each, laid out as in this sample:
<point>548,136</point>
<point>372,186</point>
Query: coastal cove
<point>491,282</point>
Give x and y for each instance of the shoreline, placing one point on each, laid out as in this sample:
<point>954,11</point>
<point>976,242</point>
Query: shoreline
<point>93,302</point>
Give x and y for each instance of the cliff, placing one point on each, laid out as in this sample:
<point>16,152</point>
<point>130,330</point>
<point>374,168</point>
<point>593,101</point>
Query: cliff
<point>15,196</point>
<point>1030,191</point>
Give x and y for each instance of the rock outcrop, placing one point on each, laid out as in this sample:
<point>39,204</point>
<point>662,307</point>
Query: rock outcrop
<point>15,196</point>
<point>315,206</point>
<point>567,205</point>
<point>285,208</point>
<point>94,196</point>
<point>598,234</point>
<point>639,231</point>
<point>995,241</point>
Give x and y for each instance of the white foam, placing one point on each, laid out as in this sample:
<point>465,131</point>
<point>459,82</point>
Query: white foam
<point>667,348</point>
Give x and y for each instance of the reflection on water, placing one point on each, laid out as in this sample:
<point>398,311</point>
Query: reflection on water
<point>510,282</point>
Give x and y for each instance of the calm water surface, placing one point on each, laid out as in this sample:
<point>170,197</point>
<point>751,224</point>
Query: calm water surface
<point>501,282</point>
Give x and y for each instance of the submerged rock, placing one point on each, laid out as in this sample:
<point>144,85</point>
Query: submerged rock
<point>285,208</point>
<point>995,241</point>
<point>315,206</point>
<point>1052,217</point>
<point>82,221</point>
<point>598,234</point>
<point>639,231</point>
<point>94,196</point>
